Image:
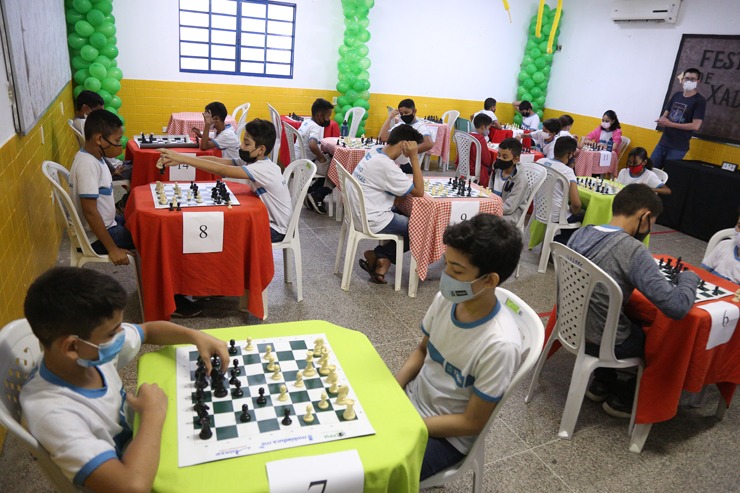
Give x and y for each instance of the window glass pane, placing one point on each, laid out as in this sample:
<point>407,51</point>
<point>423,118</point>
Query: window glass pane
<point>223,6</point>
<point>199,5</point>
<point>255,25</point>
<point>228,52</point>
<point>193,34</point>
<point>278,56</point>
<point>193,49</point>
<point>253,39</point>
<point>223,65</point>
<point>280,12</point>
<point>193,19</point>
<point>254,10</point>
<point>276,27</point>
<point>275,69</point>
<point>253,54</point>
<point>253,68</point>
<point>194,63</point>
<point>223,37</point>
<point>285,42</point>
<point>223,22</point>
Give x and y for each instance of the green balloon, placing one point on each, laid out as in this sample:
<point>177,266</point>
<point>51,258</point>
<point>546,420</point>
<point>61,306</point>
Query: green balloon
<point>115,102</point>
<point>351,95</point>
<point>92,84</point>
<point>368,3</point>
<point>521,90</point>
<point>540,63</point>
<point>527,60</point>
<point>104,61</point>
<point>109,51</point>
<point>112,40</point>
<point>526,97</point>
<point>531,68</point>
<point>346,108</point>
<point>366,115</point>
<point>76,41</point>
<point>535,53</point>
<point>106,96</point>
<point>88,53</point>
<point>114,63</point>
<point>82,6</point>
<point>343,50</point>
<point>73,16</point>
<point>536,92</point>
<point>350,78</point>
<point>518,119</point>
<point>105,6</point>
<point>531,44</point>
<point>540,101</point>
<point>111,19</point>
<point>342,86</point>
<point>528,84</point>
<point>546,71</point>
<point>543,47</point>
<point>124,141</point>
<point>352,27</point>
<point>97,70</point>
<point>364,95</point>
<point>95,17</point>
<point>349,11</point>
<point>112,110</point>
<point>78,62</point>
<point>363,22</point>
<point>106,28</point>
<point>361,130</point>
<point>532,29</point>
<point>343,100</point>
<point>538,77</point>
<point>111,85</point>
<point>77,90</point>
<point>98,40</point>
<point>84,28</point>
<point>362,103</point>
<point>339,118</point>
<point>362,50</point>
<point>363,36</point>
<point>365,63</point>
<point>81,75</point>
<point>547,57</point>
<point>539,113</point>
<point>361,85</point>
<point>364,75</point>
<point>350,41</point>
<point>546,29</point>
<point>523,75</point>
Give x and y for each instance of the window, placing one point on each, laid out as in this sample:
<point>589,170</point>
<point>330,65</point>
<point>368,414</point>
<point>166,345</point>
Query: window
<point>242,37</point>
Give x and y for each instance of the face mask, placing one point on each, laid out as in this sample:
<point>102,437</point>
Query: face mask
<point>637,169</point>
<point>457,291</point>
<point>246,156</point>
<point>501,164</point>
<point>324,124</point>
<point>689,85</point>
<point>641,236</point>
<point>407,119</point>
<point>106,351</point>
<point>606,125</point>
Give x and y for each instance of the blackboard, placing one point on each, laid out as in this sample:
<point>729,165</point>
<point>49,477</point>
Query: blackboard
<point>718,59</point>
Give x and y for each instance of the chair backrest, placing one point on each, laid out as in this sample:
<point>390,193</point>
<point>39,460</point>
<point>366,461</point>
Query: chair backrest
<point>576,278</point>
<point>239,130</point>
<point>543,203</point>
<point>275,118</point>
<point>292,136</point>
<point>623,145</point>
<point>20,352</point>
<point>354,200</point>
<point>723,234</point>
<point>464,141</point>
<point>354,117</point>
<point>661,174</point>
<point>240,113</point>
<point>80,136</point>
<point>297,176</point>
<point>463,125</point>
<point>535,175</point>
<point>449,118</point>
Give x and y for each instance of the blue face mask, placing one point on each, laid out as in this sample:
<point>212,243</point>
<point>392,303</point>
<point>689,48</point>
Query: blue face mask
<point>106,351</point>
<point>457,291</point>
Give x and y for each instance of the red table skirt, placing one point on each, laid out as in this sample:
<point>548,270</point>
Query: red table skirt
<point>145,164</point>
<point>245,262</point>
<point>331,131</point>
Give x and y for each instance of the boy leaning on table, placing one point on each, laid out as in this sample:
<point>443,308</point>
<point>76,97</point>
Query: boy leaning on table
<point>225,139</point>
<point>74,402</point>
<point>471,346</point>
<point>617,249</point>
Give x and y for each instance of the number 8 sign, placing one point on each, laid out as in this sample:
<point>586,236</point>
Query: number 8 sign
<point>202,232</point>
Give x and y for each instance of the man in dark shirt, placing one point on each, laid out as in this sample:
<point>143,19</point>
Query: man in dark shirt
<point>681,116</point>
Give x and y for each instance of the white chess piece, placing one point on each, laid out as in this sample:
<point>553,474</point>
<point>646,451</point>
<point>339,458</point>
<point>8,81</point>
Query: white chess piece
<point>283,393</point>
<point>324,370</point>
<point>324,402</point>
<point>271,362</point>
<point>318,344</point>
<point>342,397</point>
<point>332,378</point>
<point>333,388</point>
<point>249,346</point>
<point>299,380</point>
<point>276,375</point>
<point>349,413</point>
<point>268,351</point>
<point>308,418</point>
<point>309,371</point>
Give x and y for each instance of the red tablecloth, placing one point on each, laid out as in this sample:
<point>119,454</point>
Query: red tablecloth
<point>587,164</point>
<point>182,123</point>
<point>537,155</point>
<point>331,131</point>
<point>347,157</point>
<point>676,357</point>
<point>145,169</point>
<point>497,136</point>
<point>245,262</point>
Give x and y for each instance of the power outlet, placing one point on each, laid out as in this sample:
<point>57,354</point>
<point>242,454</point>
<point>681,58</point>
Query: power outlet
<point>43,140</point>
<point>334,100</point>
<point>61,107</point>
<point>164,129</point>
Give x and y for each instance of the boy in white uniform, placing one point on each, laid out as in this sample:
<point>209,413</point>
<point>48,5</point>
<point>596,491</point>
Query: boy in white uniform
<point>545,139</point>
<point>312,131</point>
<point>724,260</point>
<point>471,346</point>
<point>74,402</point>
<point>530,119</point>
<point>489,108</point>
<point>225,139</point>
<point>407,113</point>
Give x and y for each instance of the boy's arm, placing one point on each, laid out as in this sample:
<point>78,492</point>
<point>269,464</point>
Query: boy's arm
<point>413,364</point>
<point>219,160</point>
<point>412,151</point>
<point>674,300</point>
<point>172,158</point>
<point>471,422</point>
<point>387,124</point>
<point>164,333</point>
<point>516,104</point>
<point>575,199</point>
<point>118,256</point>
<point>314,146</point>
<point>664,190</point>
<point>426,145</point>
<point>205,138</point>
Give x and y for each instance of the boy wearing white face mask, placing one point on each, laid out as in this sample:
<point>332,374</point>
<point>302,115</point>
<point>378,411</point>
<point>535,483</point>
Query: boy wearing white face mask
<point>682,116</point>
<point>471,346</point>
<point>545,139</point>
<point>74,402</point>
<point>724,260</point>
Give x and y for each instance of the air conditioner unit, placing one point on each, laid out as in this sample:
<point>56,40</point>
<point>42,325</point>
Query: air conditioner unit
<point>645,11</point>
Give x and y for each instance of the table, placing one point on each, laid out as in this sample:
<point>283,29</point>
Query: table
<point>428,218</point>
<point>391,458</point>
<point>346,156</point>
<point>182,123</point>
<point>705,198</point>
<point>284,156</point>
<point>676,357</point>
<point>587,163</point>
<point>441,138</point>
<point>497,136</point>
<point>535,155</point>
<point>145,170</point>
<point>245,263</point>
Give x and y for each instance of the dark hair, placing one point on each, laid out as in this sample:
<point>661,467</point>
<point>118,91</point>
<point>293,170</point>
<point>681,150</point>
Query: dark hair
<point>90,98</point>
<point>489,103</point>
<point>693,70</point>
<point>405,132</point>
<point>218,110</point>
<point>101,122</point>
<point>615,121</point>
<point>564,145</point>
<point>512,145</point>
<point>262,132</point>
<point>525,105</point>
<point>491,243</point>
<point>565,121</point>
<point>67,301</point>
<point>642,154</point>
<point>634,197</point>
<point>320,106</point>
<point>407,103</point>
<point>482,119</point>
<point>552,125</point>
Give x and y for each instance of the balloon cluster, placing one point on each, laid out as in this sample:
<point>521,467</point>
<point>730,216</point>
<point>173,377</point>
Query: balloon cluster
<point>537,62</point>
<point>354,83</point>
<point>92,49</point>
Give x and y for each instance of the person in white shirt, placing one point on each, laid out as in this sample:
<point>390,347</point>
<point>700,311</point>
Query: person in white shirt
<point>406,112</point>
<point>86,103</point>
<point>724,259</point>
<point>214,117</point>
<point>566,123</point>
<point>382,183</point>
<point>530,119</point>
<point>489,108</point>
<point>640,170</point>
<point>545,139</point>
<point>311,132</point>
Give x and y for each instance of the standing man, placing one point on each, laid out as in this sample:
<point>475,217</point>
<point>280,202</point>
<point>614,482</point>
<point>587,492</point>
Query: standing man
<point>682,115</point>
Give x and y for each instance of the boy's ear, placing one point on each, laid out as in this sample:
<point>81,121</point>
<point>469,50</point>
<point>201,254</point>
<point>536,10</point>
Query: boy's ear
<point>492,280</point>
<point>67,345</point>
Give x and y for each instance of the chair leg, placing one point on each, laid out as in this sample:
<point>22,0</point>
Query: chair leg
<point>298,271</point>
<point>137,265</point>
<point>545,255</point>
<point>339,206</point>
<point>477,478</point>
<point>576,392</point>
<point>349,257</point>
<point>286,265</point>
<point>413,278</point>
<point>639,435</point>
<point>264,304</point>
<point>540,364</point>
<point>399,264</point>
<point>338,258</point>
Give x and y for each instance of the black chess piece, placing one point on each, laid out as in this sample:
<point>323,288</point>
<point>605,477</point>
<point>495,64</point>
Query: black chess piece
<point>716,291</point>
<point>205,431</point>
<point>172,207</point>
<point>236,368</point>
<point>237,392</point>
<point>151,138</point>
<point>201,383</point>
<point>450,181</point>
<point>143,138</point>
<point>215,362</point>
<point>178,208</point>
<point>199,394</point>
<point>245,416</point>
<point>233,380</point>
<point>232,347</point>
<point>200,405</point>
<point>261,400</point>
<point>286,419</point>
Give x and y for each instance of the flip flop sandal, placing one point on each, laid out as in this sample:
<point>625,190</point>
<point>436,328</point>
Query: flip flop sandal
<point>375,278</point>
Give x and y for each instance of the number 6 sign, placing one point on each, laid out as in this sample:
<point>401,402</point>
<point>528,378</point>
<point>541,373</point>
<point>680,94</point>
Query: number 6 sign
<point>202,232</point>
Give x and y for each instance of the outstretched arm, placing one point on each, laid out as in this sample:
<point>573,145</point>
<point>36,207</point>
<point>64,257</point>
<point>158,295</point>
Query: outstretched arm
<point>172,158</point>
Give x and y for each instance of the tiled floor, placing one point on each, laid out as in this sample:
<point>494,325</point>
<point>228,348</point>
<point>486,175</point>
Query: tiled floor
<point>692,452</point>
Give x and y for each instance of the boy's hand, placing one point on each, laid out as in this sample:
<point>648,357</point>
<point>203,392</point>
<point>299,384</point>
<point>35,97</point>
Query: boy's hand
<point>394,114</point>
<point>170,157</point>
<point>409,148</point>
<point>663,122</point>
<point>118,256</point>
<point>150,399</point>
<point>207,118</point>
<point>208,346</point>
<point>197,132</point>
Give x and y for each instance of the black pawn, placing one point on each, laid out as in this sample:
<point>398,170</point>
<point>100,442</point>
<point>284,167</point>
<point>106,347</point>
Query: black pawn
<point>245,414</point>
<point>233,378</point>
<point>199,394</point>
<point>716,290</point>
<point>172,208</point>
<point>237,392</point>
<point>286,420</point>
<point>232,347</point>
<point>261,400</point>
<point>215,362</point>
<point>236,368</point>
<point>178,207</point>
<point>205,431</point>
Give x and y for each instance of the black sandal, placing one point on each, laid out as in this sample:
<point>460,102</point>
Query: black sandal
<point>374,277</point>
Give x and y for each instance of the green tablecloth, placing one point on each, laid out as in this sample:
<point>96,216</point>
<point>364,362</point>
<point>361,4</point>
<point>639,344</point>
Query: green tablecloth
<point>391,458</point>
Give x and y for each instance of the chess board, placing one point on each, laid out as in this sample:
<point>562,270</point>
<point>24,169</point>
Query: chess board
<point>604,187</point>
<point>205,189</point>
<point>265,431</point>
<point>441,188</point>
<point>160,141</point>
<point>357,144</point>
<point>705,291</point>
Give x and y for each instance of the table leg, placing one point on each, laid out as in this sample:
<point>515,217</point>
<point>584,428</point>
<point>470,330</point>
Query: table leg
<point>244,302</point>
<point>639,435</point>
<point>413,278</point>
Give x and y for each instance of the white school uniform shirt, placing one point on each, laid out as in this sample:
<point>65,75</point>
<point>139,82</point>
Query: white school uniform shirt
<point>724,260</point>
<point>382,181</point>
<point>486,112</point>
<point>228,142</point>
<point>531,122</point>
<point>268,184</point>
<point>90,178</point>
<point>557,191</point>
<point>604,136</point>
<point>309,130</point>
<point>547,148</point>
<point>420,127</point>
<point>647,178</point>
<point>463,359</point>
<point>81,428</point>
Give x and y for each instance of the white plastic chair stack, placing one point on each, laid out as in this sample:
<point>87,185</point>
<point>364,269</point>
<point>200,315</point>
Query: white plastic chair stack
<point>464,141</point>
<point>240,114</point>
<point>356,113</point>
<point>275,118</point>
<point>77,133</point>
<point>623,145</point>
<point>535,176</point>
<point>292,136</point>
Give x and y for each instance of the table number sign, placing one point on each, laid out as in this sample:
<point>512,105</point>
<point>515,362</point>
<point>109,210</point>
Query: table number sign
<point>182,172</point>
<point>724,320</point>
<point>605,159</point>
<point>462,210</point>
<point>527,157</point>
<point>341,472</point>
<point>202,232</point>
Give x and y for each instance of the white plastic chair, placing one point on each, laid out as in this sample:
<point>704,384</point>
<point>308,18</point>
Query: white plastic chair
<point>275,118</point>
<point>661,174</point>
<point>576,278</point>
<point>292,136</point>
<point>543,205</point>
<point>533,337</point>
<point>464,141</point>
<point>535,175</point>
<point>357,229</point>
<point>623,145</point>
<point>240,114</point>
<point>80,136</point>
<point>298,176</point>
<point>723,234</point>
<point>20,352</point>
<point>80,248</point>
<point>356,113</point>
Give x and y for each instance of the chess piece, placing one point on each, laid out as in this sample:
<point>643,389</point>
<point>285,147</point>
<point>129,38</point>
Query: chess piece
<point>232,347</point>
<point>736,298</point>
<point>233,378</point>
<point>332,378</point>
<point>324,370</point>
<point>245,416</point>
<point>261,400</point>
<point>276,375</point>
<point>342,397</point>
<point>249,347</point>
<point>299,380</point>
<point>283,393</point>
<point>286,419</point>
<point>308,417</point>
<point>237,392</point>
<point>309,371</point>
<point>178,208</point>
<point>200,407</point>
<point>205,430</point>
<point>333,388</point>
<point>324,402</point>
<point>236,368</point>
<point>271,364</point>
<point>318,345</point>
<point>268,351</point>
<point>349,412</point>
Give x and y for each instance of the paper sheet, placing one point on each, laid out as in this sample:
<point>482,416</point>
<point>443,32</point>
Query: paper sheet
<point>463,209</point>
<point>724,320</point>
<point>526,157</point>
<point>341,472</point>
<point>605,158</point>
<point>202,232</point>
<point>182,172</point>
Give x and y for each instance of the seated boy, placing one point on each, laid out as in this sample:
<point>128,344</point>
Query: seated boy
<point>507,182</point>
<point>382,183</point>
<point>724,260</point>
<point>482,124</point>
<point>312,131</point>
<point>91,187</point>
<point>489,109</point>
<point>407,113</point>
<point>74,402</point>
<point>617,248</point>
<point>545,139</point>
<point>226,139</point>
<point>530,119</point>
<point>566,123</point>
<point>86,103</point>
<point>564,150</point>
<point>263,175</point>
<point>471,346</point>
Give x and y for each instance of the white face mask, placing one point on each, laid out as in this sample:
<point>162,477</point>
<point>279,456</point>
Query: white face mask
<point>605,125</point>
<point>689,85</point>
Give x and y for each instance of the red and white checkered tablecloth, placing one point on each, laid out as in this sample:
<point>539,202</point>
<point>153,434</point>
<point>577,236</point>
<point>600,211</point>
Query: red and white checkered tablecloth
<point>349,158</point>
<point>587,164</point>
<point>183,123</point>
<point>428,218</point>
<point>441,142</point>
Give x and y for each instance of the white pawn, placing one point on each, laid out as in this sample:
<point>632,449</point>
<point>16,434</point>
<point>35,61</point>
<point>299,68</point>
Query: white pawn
<point>308,418</point>
<point>349,413</point>
<point>283,393</point>
<point>299,380</point>
<point>324,402</point>
<point>271,362</point>
<point>249,347</point>
<point>342,397</point>
<point>309,371</point>
<point>333,388</point>
<point>276,375</point>
<point>268,351</point>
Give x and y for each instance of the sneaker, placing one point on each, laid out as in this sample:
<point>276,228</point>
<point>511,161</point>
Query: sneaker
<point>615,406</point>
<point>321,207</point>
<point>314,204</point>
<point>599,390</point>
<point>186,308</point>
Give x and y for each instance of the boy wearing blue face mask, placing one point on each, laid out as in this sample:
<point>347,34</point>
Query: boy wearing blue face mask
<point>261,174</point>
<point>406,115</point>
<point>471,347</point>
<point>74,402</point>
